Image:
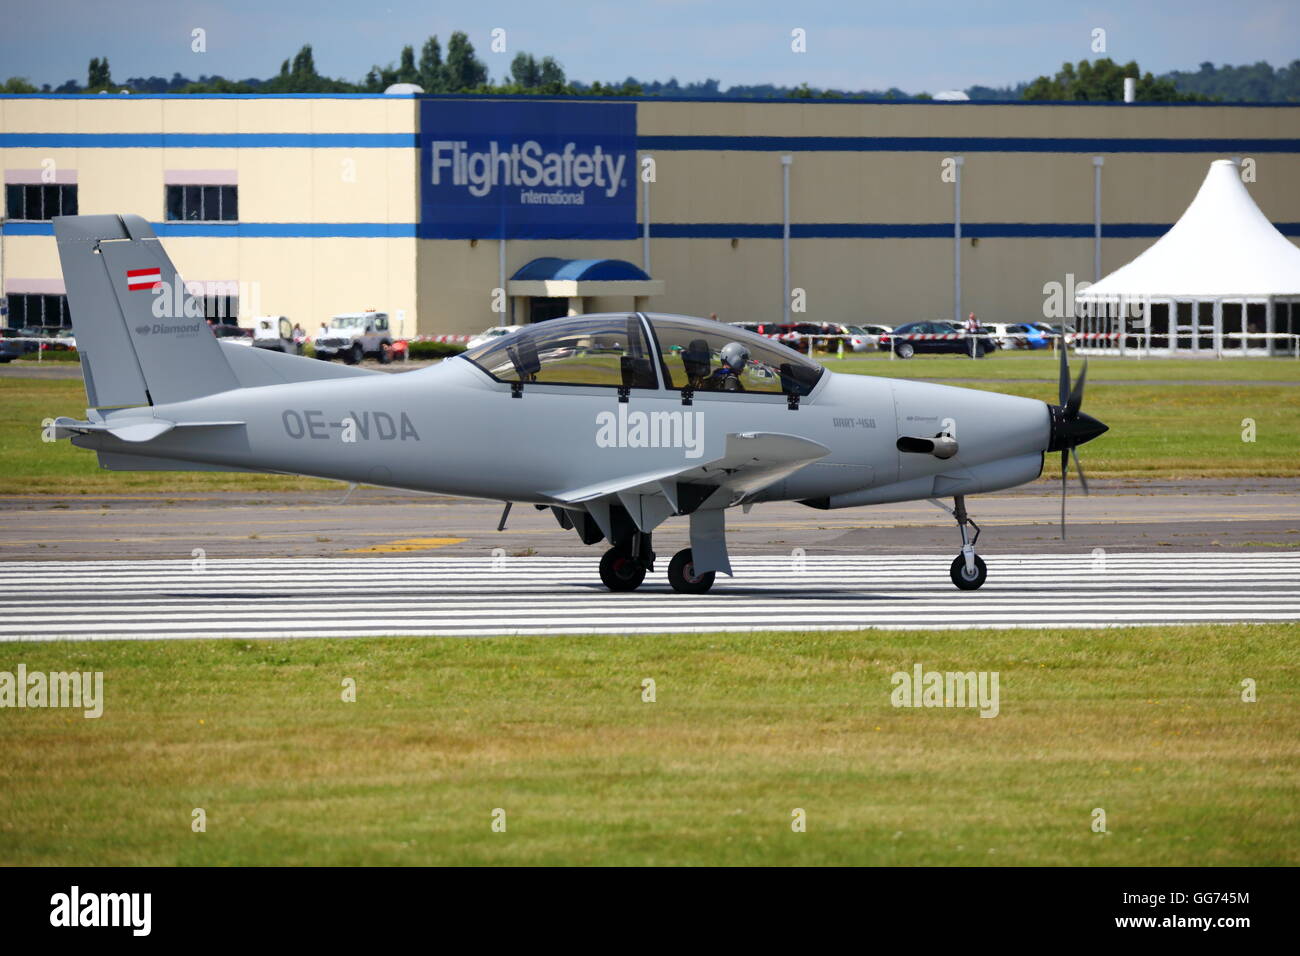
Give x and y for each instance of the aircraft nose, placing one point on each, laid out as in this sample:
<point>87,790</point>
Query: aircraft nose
<point>1085,428</point>
<point>1072,432</point>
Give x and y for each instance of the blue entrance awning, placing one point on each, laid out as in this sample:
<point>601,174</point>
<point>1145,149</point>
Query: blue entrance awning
<point>580,270</point>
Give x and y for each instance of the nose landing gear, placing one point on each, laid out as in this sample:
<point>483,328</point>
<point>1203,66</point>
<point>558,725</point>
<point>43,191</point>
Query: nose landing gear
<point>623,567</point>
<point>968,570</point>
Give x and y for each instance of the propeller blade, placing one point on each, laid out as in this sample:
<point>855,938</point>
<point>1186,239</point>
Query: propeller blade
<point>1065,459</point>
<point>1083,480</point>
<point>1076,393</point>
<point>1064,383</point>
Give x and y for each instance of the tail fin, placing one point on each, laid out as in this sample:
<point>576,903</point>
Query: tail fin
<point>134,349</point>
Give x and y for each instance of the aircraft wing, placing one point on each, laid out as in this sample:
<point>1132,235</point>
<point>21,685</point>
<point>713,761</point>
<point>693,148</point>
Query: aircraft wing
<point>750,461</point>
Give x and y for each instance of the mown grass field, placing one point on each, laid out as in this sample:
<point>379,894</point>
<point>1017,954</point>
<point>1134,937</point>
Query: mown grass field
<point>1147,724</point>
<point>1042,366</point>
<point>1166,431</point>
<point>32,466</point>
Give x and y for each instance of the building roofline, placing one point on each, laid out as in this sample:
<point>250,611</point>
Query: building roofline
<point>527,97</point>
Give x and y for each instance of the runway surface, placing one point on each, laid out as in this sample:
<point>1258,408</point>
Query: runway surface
<point>373,523</point>
<point>460,596</point>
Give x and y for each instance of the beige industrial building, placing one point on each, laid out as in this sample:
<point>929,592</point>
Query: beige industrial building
<point>453,214</point>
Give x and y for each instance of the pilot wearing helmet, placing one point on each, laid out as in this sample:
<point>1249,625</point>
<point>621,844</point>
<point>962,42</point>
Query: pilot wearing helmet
<point>726,377</point>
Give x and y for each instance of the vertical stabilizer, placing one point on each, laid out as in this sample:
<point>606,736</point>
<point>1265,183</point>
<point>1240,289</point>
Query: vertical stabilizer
<point>140,339</point>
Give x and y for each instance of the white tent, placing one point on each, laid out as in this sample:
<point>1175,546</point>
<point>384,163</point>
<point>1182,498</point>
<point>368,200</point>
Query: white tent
<point>1222,252</point>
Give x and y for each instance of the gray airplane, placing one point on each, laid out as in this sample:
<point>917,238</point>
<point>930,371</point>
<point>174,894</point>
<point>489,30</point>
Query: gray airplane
<point>615,422</point>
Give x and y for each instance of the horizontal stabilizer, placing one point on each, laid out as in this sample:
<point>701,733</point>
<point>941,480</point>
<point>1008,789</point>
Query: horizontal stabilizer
<point>128,429</point>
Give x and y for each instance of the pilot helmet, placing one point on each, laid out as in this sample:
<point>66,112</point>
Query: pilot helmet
<point>735,356</point>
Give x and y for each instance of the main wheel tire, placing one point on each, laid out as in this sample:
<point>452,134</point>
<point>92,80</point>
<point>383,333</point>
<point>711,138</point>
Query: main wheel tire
<point>960,577</point>
<point>682,576</point>
<point>354,355</point>
<point>905,350</point>
<point>385,353</point>
<point>618,572</point>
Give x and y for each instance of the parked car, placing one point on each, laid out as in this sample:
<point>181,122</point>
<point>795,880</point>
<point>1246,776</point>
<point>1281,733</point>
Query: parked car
<point>1053,332</point>
<point>488,334</point>
<point>930,337</point>
<point>856,338</point>
<point>356,335</point>
<point>785,332</point>
<point>13,344</point>
<point>797,335</point>
<point>985,333</point>
<point>275,332</point>
<point>58,338</point>
<point>872,334</point>
<point>1022,336</point>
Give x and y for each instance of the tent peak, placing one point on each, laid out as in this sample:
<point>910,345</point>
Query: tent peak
<point>1223,246</point>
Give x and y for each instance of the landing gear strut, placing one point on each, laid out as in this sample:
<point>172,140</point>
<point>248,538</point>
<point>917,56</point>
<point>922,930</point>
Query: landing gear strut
<point>623,567</point>
<point>968,570</point>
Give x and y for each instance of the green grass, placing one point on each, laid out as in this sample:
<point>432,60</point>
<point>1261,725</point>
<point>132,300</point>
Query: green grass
<point>1184,432</point>
<point>32,466</point>
<point>1042,367</point>
<point>1156,432</point>
<point>1146,723</point>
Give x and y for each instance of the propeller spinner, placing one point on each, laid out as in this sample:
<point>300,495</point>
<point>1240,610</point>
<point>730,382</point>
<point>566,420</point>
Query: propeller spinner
<point>1070,426</point>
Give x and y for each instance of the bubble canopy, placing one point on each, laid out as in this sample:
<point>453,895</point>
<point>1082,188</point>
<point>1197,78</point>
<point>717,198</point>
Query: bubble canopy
<point>629,350</point>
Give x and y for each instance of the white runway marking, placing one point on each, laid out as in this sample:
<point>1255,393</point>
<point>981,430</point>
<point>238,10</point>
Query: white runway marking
<point>428,596</point>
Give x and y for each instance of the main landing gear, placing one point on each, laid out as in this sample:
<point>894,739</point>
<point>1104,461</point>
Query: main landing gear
<point>624,566</point>
<point>968,570</point>
<point>682,576</point>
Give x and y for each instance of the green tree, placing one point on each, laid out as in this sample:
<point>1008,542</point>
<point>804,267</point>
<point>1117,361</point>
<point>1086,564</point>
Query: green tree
<point>464,70</point>
<point>525,71</point>
<point>406,72</point>
<point>551,74</point>
<point>17,84</point>
<point>1103,81</point>
<point>431,68</point>
<point>97,75</point>
<point>304,67</point>
<point>1253,83</point>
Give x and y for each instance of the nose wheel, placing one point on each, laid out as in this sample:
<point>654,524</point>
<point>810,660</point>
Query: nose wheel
<point>968,580</point>
<point>968,570</point>
<point>623,567</point>
<point>620,572</point>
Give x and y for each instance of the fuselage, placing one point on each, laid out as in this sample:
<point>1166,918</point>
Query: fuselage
<point>452,429</point>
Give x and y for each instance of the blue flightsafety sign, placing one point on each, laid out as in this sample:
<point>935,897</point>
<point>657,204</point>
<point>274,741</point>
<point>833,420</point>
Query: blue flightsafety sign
<point>527,170</point>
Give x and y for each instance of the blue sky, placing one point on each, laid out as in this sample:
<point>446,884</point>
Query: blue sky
<point>865,45</point>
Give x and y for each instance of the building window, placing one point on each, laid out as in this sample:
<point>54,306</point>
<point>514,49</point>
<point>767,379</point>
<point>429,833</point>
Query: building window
<point>40,201</point>
<point>202,203</point>
<point>31,310</point>
<point>219,309</point>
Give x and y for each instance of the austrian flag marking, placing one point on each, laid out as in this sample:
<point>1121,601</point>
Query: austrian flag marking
<point>143,279</point>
